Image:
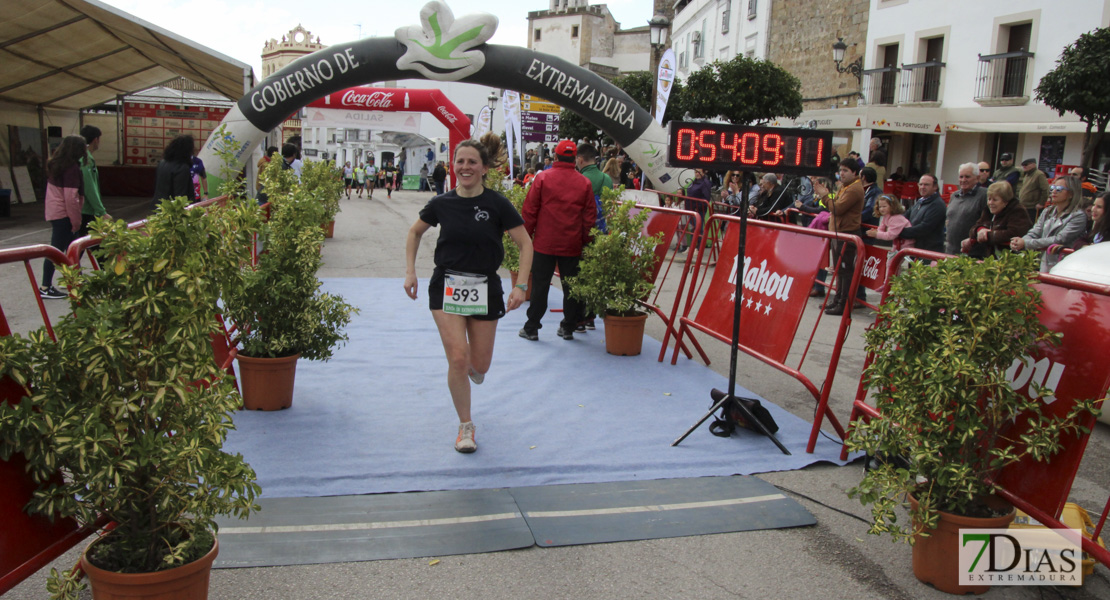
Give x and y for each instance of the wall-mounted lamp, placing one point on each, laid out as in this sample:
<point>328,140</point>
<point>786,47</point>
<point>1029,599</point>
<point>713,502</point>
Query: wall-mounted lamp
<point>855,67</point>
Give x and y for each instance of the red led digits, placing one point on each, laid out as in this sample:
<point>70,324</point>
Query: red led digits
<point>685,132</point>
<point>815,155</point>
<point>723,146</point>
<point>734,146</point>
<point>772,143</point>
<point>707,144</point>
<point>749,140</point>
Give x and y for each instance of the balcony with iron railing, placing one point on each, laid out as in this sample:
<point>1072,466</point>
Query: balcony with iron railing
<point>920,84</point>
<point>1003,79</point>
<point>878,86</point>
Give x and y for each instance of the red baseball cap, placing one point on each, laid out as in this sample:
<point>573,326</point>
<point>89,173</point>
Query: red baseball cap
<point>566,148</point>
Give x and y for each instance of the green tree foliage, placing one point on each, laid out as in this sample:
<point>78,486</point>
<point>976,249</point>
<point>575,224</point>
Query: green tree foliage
<point>743,91</point>
<point>1079,84</point>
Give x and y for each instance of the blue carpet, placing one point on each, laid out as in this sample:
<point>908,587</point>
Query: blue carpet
<point>378,416</point>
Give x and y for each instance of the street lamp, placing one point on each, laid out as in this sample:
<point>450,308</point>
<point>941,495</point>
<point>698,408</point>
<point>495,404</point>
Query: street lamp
<point>855,67</point>
<point>658,27</point>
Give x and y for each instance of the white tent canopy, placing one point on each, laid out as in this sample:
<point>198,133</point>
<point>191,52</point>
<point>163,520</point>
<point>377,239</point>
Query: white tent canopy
<point>75,54</point>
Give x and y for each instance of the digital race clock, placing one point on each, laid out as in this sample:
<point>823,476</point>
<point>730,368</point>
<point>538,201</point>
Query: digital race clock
<point>721,147</point>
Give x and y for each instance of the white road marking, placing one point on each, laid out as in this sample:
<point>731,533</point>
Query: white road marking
<point>367,526</point>
<point>653,507</point>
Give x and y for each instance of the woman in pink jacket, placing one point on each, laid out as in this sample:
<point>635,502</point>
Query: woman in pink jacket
<point>64,198</point>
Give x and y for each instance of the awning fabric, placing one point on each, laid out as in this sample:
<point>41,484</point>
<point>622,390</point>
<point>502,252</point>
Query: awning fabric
<point>74,54</point>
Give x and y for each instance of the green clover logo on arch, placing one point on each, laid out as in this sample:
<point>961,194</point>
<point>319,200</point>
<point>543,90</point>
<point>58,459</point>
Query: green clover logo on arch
<point>442,47</point>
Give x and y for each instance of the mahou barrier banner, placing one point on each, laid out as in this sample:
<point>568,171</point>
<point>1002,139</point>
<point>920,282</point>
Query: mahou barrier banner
<point>1074,370</point>
<point>777,275</point>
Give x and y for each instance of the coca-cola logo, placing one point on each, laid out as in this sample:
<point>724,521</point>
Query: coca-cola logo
<point>871,268</point>
<point>447,114</point>
<point>371,100</point>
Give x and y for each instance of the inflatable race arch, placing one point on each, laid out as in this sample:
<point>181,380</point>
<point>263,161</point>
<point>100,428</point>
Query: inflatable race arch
<point>443,48</point>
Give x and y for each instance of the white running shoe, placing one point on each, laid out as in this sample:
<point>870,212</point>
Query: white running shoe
<point>476,377</point>
<point>465,442</point>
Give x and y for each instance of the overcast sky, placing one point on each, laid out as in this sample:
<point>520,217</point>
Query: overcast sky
<point>239,28</point>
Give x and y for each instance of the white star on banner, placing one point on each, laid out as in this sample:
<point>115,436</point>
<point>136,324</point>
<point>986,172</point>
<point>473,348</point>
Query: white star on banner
<point>767,309</point>
<point>749,302</point>
<point>758,306</point>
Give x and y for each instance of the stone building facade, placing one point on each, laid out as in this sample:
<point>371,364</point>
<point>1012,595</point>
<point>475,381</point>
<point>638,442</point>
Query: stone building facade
<point>588,36</point>
<point>275,55</point>
<point>801,36</point>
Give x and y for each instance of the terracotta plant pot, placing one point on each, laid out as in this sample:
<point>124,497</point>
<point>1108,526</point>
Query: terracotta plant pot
<point>528,293</point>
<point>267,383</point>
<point>187,582</point>
<point>936,559</point>
<point>624,336</point>
<point>329,229</point>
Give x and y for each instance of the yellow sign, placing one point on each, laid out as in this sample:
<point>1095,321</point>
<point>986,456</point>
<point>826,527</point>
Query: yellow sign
<point>537,104</point>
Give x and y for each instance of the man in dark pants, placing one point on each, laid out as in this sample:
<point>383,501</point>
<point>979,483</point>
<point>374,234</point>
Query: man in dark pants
<point>559,212</point>
<point>439,176</point>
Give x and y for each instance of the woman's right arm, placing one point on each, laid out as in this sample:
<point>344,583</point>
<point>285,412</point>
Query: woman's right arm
<point>412,244</point>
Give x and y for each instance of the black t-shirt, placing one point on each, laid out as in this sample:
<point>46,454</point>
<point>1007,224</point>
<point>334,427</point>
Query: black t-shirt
<point>470,230</point>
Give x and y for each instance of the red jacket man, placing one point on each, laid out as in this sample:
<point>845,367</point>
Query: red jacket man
<point>559,212</point>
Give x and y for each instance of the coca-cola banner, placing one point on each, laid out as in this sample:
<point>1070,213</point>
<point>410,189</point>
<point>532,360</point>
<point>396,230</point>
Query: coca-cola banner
<point>777,275</point>
<point>874,267</point>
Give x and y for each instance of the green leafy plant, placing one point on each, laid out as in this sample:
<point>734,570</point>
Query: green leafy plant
<point>940,350</point>
<point>511,261</point>
<point>128,404</point>
<point>616,266</point>
<point>324,183</point>
<point>279,306</point>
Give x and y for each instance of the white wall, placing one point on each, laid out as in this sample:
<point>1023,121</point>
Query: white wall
<point>706,16</point>
<point>974,28</point>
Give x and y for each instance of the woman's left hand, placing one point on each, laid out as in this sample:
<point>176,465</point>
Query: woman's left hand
<point>516,298</point>
<point>1017,244</point>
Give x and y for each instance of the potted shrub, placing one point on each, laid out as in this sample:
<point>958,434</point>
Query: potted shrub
<point>278,306</point>
<point>614,274</point>
<point>511,262</point>
<point>940,349</point>
<point>324,183</point>
<point>128,404</point>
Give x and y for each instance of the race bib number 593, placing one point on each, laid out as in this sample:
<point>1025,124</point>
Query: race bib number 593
<point>465,294</point>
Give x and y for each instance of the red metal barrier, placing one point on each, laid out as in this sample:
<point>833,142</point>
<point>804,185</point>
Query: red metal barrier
<point>1074,370</point>
<point>669,222</point>
<point>780,269</point>
<point>28,543</point>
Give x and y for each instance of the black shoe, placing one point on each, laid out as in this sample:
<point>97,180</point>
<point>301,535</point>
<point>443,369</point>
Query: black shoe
<point>532,336</point>
<point>817,292</point>
<point>590,325</point>
<point>581,328</point>
<point>52,293</point>
<point>566,334</point>
<point>836,309</point>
